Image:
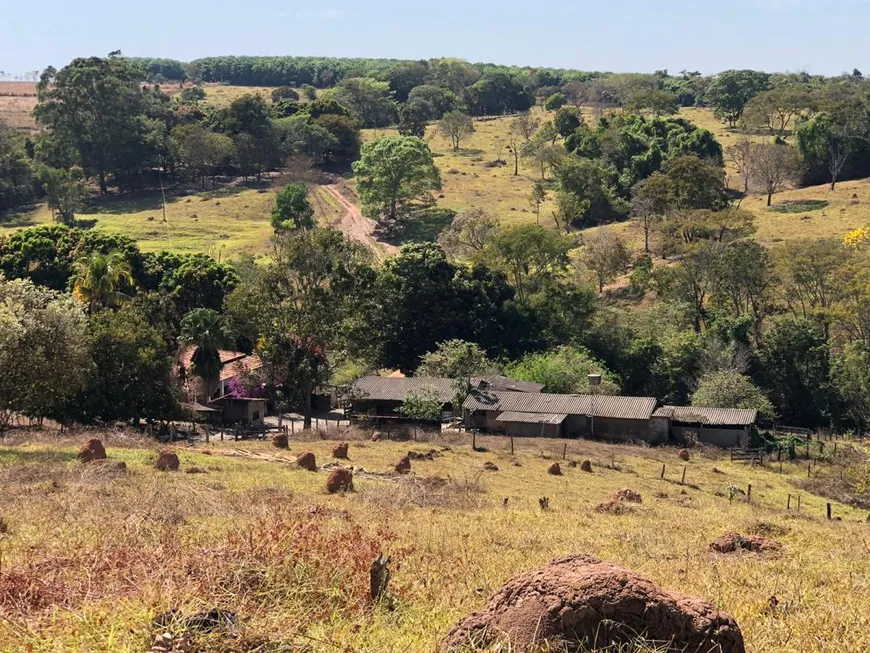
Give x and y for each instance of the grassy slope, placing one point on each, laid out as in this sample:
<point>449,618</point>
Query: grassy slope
<point>450,554</point>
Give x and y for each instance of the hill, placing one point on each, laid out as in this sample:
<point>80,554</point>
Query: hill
<point>87,564</point>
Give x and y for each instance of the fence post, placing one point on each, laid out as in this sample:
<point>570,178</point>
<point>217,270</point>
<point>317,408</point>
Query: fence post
<point>829,511</point>
<point>663,473</point>
<point>293,426</point>
<point>512,445</point>
<point>788,503</point>
<point>565,451</point>
<point>749,493</point>
<point>799,503</point>
<point>809,470</point>
<point>474,440</point>
<point>683,480</point>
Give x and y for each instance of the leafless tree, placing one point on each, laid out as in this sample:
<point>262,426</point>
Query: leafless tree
<point>775,166</point>
<point>469,233</point>
<point>606,255</point>
<point>740,155</point>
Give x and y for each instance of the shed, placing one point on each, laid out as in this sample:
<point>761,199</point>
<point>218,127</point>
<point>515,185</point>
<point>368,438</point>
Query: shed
<point>601,416</point>
<point>381,396</point>
<point>721,427</point>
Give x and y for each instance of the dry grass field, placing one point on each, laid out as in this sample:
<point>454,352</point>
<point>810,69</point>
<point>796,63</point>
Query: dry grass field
<point>91,556</point>
<point>17,101</point>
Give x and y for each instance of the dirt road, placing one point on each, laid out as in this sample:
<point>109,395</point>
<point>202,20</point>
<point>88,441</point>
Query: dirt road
<point>355,225</point>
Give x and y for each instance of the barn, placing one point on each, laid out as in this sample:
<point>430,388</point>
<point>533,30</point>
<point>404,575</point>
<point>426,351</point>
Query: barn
<point>381,396</point>
<point>720,427</point>
<point>571,416</point>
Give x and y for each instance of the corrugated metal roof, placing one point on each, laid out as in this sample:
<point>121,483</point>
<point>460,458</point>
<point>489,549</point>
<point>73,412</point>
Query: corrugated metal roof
<point>711,416</point>
<point>499,382</point>
<point>391,388</point>
<point>531,418</point>
<point>523,402</point>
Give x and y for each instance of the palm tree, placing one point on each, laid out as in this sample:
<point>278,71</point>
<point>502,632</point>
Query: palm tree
<point>99,277</point>
<point>203,328</point>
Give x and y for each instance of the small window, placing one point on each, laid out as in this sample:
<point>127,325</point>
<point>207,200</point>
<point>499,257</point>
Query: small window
<point>256,415</point>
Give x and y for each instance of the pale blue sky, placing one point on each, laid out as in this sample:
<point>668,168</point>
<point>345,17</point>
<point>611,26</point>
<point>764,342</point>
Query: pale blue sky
<point>619,35</point>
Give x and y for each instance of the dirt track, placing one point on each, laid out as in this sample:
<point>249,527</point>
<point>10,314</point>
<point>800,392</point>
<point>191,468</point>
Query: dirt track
<point>355,225</point>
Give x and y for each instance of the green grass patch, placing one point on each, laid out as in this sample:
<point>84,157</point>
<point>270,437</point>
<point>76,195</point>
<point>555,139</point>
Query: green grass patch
<point>799,206</point>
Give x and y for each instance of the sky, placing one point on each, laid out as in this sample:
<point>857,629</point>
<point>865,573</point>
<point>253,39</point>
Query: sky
<point>614,35</point>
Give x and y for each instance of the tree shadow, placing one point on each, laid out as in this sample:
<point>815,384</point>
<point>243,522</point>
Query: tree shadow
<point>20,217</point>
<point>16,455</point>
<point>424,226</point>
<point>467,151</point>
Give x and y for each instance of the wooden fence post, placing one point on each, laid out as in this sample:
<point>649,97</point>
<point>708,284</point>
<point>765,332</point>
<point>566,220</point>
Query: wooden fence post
<point>293,426</point>
<point>799,503</point>
<point>788,503</point>
<point>565,451</point>
<point>809,470</point>
<point>749,493</point>
<point>683,480</point>
<point>663,473</point>
<point>829,511</point>
<point>512,445</point>
<point>474,440</point>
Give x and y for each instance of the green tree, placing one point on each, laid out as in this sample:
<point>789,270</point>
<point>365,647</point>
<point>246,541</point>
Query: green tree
<point>17,183</point>
<point>555,102</point>
<point>422,405</point>
<point>732,390</point>
<point>285,93</point>
<point>568,120</point>
<point>529,254</point>
<point>292,209</point>
<point>436,100</point>
<point>130,379</point>
<point>826,143</point>
<point>197,281</point>
<point>203,151</point>
<point>369,99</point>
<point>248,114</point>
<point>564,370</point>
<point>850,378</point>
<point>469,233</point>
<point>454,359</point>
<point>392,172</point>
<point>729,92</point>
<point>413,119</point>
<point>345,131</point>
<point>65,191</point>
<point>99,278</point>
<point>299,136</point>
<point>43,351</point>
<point>585,196</point>
<point>97,106</point>
<point>456,126</point>
<point>203,329</point>
<point>537,196</point>
<point>776,110</point>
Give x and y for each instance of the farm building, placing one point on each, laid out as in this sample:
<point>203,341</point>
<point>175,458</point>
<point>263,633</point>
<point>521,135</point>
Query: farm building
<point>721,427</point>
<point>572,416</point>
<point>381,396</point>
<point>218,395</point>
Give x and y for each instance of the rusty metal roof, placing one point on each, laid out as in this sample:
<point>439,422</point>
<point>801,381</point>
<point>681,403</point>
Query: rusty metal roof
<point>395,388</point>
<point>531,418</point>
<point>711,416</point>
<point>523,402</point>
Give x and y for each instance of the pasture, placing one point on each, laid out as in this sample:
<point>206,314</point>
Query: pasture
<point>17,101</point>
<point>92,555</point>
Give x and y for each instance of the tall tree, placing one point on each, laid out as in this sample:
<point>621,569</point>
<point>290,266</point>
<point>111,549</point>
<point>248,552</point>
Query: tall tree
<point>392,172</point>
<point>292,209</point>
<point>606,255</point>
<point>455,125</point>
<point>775,166</point>
<point>729,92</point>
<point>203,329</point>
<point>96,105</point>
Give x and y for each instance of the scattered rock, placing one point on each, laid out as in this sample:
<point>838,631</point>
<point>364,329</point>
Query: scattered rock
<point>554,470</point>
<point>716,470</point>
<point>404,465</point>
<point>340,450</point>
<point>167,461</point>
<point>307,461</point>
<point>684,454</point>
<point>627,495</point>
<point>614,507</point>
<point>586,466</point>
<point>91,450</point>
<point>490,466</point>
<point>579,599</point>
<point>734,543</point>
<point>281,441</point>
<point>544,502</point>
<point>376,436</point>
<point>660,495</point>
<point>341,480</point>
<point>4,526</point>
<point>572,464</point>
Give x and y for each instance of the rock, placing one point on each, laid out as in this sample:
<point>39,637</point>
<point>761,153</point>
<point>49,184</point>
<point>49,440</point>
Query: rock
<point>578,599</point>
<point>376,436</point>
<point>490,466</point>
<point>167,461</point>
<point>586,466</point>
<point>684,454</point>
<point>307,461</point>
<point>735,543</point>
<point>341,480</point>
<point>716,470</point>
<point>112,467</point>
<point>614,507</point>
<point>423,455</point>
<point>554,469</point>
<point>572,464</point>
<point>91,450</point>
<point>627,495</point>
<point>340,450</point>
<point>281,441</point>
<point>404,465</point>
